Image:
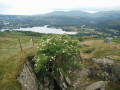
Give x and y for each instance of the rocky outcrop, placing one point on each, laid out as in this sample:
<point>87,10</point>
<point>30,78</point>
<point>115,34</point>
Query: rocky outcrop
<point>27,78</point>
<point>106,41</point>
<point>80,74</point>
<point>108,70</point>
<point>63,82</point>
<point>105,60</point>
<point>100,85</point>
<point>85,72</point>
<point>46,83</point>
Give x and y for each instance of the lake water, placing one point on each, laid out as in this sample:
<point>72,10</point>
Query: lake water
<point>43,29</point>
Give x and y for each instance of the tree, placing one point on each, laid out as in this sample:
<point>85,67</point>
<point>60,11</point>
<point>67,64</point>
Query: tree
<point>55,53</point>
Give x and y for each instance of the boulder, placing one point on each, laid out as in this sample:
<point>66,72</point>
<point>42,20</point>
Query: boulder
<point>100,85</point>
<point>106,41</point>
<point>27,78</point>
<point>105,60</point>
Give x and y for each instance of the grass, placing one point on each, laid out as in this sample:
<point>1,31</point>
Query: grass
<point>116,40</point>
<point>10,69</point>
<point>100,50</point>
<point>113,86</point>
<point>11,58</point>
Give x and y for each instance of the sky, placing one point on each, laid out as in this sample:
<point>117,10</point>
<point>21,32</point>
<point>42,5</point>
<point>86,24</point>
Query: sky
<point>32,7</point>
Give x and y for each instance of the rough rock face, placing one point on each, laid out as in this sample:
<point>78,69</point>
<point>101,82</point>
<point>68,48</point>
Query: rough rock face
<point>106,41</point>
<point>80,74</point>
<point>27,78</point>
<point>108,70</point>
<point>116,73</point>
<point>111,72</point>
<point>46,83</point>
<point>106,60</point>
<point>100,85</point>
<point>85,72</point>
<point>63,82</point>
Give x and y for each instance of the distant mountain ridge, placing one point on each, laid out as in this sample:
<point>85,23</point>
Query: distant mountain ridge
<point>66,13</point>
<point>115,14</point>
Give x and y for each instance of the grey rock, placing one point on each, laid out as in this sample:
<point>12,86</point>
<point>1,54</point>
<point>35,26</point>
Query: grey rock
<point>106,41</point>
<point>105,60</point>
<point>27,78</point>
<point>100,85</point>
<point>61,77</point>
<point>104,75</point>
<point>83,73</point>
<point>116,72</point>
<point>68,81</point>
<point>46,80</point>
<point>64,85</point>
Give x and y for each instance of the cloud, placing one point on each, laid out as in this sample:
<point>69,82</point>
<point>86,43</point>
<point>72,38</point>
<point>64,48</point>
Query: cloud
<point>4,8</point>
<point>26,7</point>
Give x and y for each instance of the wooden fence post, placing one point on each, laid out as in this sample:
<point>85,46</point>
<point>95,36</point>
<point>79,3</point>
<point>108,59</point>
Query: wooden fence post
<point>33,41</point>
<point>20,45</point>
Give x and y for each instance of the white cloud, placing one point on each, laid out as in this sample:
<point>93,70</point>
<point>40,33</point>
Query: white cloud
<point>43,6</point>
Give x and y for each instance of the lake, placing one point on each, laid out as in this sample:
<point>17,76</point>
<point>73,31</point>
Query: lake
<point>43,29</point>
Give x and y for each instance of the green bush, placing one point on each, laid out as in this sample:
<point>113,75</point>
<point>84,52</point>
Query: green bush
<point>78,65</point>
<point>54,53</point>
<point>80,39</point>
<point>90,50</point>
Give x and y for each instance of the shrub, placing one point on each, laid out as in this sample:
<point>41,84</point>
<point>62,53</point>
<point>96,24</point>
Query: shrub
<point>78,65</point>
<point>80,39</point>
<point>89,50</point>
<point>54,53</point>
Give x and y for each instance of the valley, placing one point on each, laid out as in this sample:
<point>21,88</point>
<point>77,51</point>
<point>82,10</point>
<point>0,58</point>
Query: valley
<point>31,58</point>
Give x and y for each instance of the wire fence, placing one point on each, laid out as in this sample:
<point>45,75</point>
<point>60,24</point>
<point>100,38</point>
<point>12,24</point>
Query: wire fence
<point>31,43</point>
<point>10,46</point>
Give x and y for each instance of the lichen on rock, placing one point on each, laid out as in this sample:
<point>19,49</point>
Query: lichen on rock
<point>27,78</point>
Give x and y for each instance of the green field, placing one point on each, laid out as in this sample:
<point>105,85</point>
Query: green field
<point>12,59</point>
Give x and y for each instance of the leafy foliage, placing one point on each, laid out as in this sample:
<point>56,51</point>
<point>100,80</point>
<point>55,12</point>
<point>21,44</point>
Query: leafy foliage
<point>89,50</point>
<point>54,53</point>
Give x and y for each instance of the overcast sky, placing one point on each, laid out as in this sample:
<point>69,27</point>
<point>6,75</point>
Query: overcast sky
<point>30,7</point>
